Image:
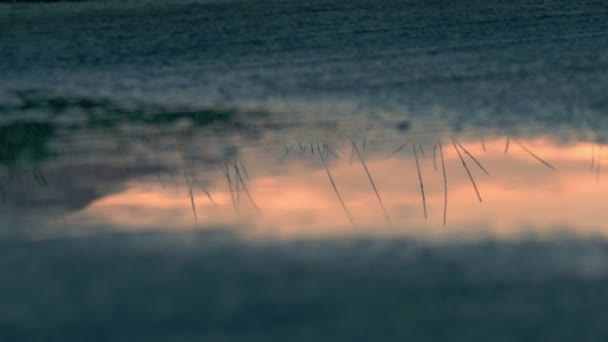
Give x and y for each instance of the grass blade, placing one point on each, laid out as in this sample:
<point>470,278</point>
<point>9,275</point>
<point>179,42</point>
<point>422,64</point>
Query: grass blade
<point>420,180</point>
<point>208,195</point>
<point>191,196</point>
<point>240,178</point>
<point>226,172</point>
<point>421,150</point>
<point>244,169</point>
<point>369,176</point>
<point>397,150</point>
<point>467,169</point>
<point>472,157</point>
<point>445,186</point>
<point>333,184</point>
<point>536,157</point>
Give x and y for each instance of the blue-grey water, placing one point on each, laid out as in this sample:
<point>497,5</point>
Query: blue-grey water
<point>198,170</point>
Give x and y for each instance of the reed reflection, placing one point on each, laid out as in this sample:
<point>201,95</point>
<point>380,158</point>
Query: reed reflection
<point>465,187</point>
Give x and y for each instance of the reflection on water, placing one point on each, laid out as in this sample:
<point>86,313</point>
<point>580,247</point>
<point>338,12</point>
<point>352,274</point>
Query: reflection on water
<point>287,184</point>
<point>208,121</point>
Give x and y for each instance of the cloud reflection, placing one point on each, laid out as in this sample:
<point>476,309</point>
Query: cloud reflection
<point>296,198</point>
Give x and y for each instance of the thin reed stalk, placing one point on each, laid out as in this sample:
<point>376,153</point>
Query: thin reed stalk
<point>333,184</point>
<point>536,157</point>
<point>244,169</point>
<point>421,183</point>
<point>421,150</point>
<point>467,169</point>
<point>191,195</point>
<point>445,186</point>
<point>472,157</point>
<point>226,172</point>
<point>371,180</point>
<point>397,150</point>
<point>240,178</point>
<point>208,195</point>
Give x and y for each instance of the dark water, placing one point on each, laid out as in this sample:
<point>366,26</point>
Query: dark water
<point>321,170</point>
<point>213,288</point>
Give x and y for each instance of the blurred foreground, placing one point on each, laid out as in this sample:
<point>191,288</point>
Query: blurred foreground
<point>215,287</point>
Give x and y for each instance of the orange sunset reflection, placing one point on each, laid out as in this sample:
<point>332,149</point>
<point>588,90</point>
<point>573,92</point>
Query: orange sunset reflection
<point>520,195</point>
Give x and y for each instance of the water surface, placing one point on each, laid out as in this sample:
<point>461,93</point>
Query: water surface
<point>321,170</point>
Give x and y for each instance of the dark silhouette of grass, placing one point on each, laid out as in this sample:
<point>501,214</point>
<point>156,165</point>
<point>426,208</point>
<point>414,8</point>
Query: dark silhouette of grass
<point>421,150</point>
<point>333,184</point>
<point>191,195</point>
<point>371,180</point>
<point>445,185</point>
<point>472,157</point>
<point>397,150</point>
<point>467,169</point>
<point>240,178</point>
<point>507,144</point>
<point>536,157</point>
<point>226,172</point>
<point>330,150</point>
<point>244,169</point>
<point>483,144</point>
<point>421,183</point>
<point>208,195</point>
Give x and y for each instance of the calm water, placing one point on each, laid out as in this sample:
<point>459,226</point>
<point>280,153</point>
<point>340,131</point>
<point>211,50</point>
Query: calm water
<point>327,170</point>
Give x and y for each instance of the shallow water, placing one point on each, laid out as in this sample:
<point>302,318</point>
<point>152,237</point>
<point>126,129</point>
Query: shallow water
<point>327,170</point>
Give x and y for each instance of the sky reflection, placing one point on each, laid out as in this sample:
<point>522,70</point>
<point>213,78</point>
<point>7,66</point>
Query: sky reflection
<point>521,195</point>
